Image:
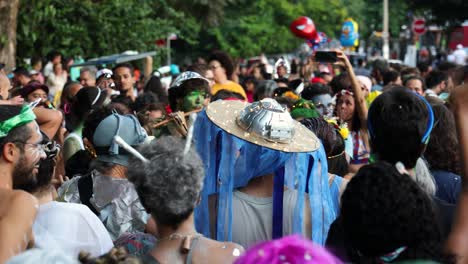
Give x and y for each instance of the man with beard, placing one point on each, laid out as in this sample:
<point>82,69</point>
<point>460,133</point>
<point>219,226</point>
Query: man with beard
<point>21,153</point>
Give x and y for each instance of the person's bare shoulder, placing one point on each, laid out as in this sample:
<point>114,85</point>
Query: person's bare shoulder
<point>18,210</point>
<point>17,207</point>
<point>224,252</point>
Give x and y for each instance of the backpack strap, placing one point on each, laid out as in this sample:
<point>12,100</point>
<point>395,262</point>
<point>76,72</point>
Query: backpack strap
<point>85,189</point>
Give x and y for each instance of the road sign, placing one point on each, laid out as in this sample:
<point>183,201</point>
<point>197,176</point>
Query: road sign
<point>419,26</point>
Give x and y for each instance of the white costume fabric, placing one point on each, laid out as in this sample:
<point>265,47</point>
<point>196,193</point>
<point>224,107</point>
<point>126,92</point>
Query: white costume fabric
<point>70,228</point>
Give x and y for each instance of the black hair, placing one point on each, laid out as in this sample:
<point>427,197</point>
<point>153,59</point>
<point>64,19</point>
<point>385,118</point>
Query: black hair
<point>282,80</point>
<point>17,134</point>
<point>35,59</point>
<point>340,82</point>
<point>225,61</point>
<point>168,190</point>
<point>93,121</point>
<point>333,143</point>
<point>82,105</point>
<point>397,122</point>
<point>414,77</point>
<point>390,76</point>
<point>434,78</point>
<point>124,100</point>
<point>177,93</point>
<point>225,94</point>
<point>53,54</point>
<point>383,210</point>
<point>22,71</point>
<point>423,66</point>
<point>442,151</point>
<point>446,66</point>
<point>154,86</point>
<point>124,65</point>
<point>144,100</point>
<point>315,89</point>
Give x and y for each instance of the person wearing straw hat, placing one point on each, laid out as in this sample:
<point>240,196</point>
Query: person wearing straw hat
<point>265,172</point>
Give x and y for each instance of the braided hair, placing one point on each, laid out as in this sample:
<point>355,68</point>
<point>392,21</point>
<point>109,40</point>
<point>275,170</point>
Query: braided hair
<point>383,211</point>
<point>332,142</point>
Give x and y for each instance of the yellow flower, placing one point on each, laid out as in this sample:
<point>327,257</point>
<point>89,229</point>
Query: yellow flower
<point>344,132</point>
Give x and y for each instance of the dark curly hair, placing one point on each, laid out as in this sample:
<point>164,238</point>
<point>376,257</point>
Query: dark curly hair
<point>170,184</point>
<point>225,61</point>
<point>397,121</point>
<point>442,151</point>
<point>383,210</point>
<point>332,142</point>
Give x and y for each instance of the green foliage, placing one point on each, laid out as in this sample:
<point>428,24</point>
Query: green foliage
<point>253,27</point>
<point>241,27</point>
<point>95,28</point>
<point>369,15</point>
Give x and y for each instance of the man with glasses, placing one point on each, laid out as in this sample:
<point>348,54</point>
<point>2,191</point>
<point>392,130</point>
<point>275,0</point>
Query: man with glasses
<point>21,153</point>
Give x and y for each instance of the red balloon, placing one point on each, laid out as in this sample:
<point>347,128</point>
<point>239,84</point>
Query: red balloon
<point>303,27</point>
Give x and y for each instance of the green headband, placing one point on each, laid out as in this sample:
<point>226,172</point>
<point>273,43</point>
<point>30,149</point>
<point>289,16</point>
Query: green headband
<point>26,115</point>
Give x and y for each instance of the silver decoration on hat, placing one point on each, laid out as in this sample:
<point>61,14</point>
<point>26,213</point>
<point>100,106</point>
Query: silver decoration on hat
<point>268,119</point>
<point>188,75</point>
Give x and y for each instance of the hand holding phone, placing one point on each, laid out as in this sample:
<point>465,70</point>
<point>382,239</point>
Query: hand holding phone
<point>326,56</point>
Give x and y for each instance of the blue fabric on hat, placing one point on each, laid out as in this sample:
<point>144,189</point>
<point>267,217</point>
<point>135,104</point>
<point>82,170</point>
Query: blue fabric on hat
<point>231,162</point>
<point>125,126</point>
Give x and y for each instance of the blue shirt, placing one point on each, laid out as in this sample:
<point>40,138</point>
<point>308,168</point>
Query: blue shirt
<point>448,186</point>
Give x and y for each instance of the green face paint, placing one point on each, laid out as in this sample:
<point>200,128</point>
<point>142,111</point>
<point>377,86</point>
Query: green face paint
<point>193,100</point>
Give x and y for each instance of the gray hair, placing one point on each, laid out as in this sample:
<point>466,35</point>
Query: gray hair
<point>169,184</point>
<point>424,177</point>
<point>91,69</point>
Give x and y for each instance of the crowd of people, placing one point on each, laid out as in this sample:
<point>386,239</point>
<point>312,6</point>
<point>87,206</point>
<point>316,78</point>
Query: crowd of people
<point>234,162</point>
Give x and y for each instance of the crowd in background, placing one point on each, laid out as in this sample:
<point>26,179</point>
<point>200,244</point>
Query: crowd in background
<point>365,160</point>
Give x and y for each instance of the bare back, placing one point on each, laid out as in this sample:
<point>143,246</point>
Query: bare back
<point>17,213</point>
<point>204,250</point>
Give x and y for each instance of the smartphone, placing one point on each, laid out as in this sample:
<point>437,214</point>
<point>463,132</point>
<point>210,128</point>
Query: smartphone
<point>326,56</point>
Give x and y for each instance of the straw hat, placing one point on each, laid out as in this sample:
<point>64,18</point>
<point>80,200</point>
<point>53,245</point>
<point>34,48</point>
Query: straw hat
<point>265,123</point>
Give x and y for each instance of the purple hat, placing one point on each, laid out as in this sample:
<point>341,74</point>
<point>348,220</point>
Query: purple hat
<point>31,87</point>
<point>290,249</point>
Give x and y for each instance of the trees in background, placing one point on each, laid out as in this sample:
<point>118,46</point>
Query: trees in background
<point>243,28</point>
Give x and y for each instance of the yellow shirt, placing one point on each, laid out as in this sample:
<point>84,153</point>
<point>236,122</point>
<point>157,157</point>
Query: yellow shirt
<point>230,86</point>
<point>371,97</point>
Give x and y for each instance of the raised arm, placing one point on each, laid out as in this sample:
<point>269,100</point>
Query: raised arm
<point>458,240</point>
<point>359,98</point>
<point>49,120</point>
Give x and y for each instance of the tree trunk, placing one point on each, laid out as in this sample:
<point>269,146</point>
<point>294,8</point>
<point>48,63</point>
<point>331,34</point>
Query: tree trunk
<point>8,22</point>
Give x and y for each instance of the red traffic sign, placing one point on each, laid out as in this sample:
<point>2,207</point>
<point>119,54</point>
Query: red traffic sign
<point>419,26</point>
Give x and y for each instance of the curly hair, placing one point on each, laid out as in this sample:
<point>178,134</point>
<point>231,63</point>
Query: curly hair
<point>332,142</point>
<point>442,150</point>
<point>225,61</point>
<point>383,210</point>
<point>397,121</point>
<point>170,183</point>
